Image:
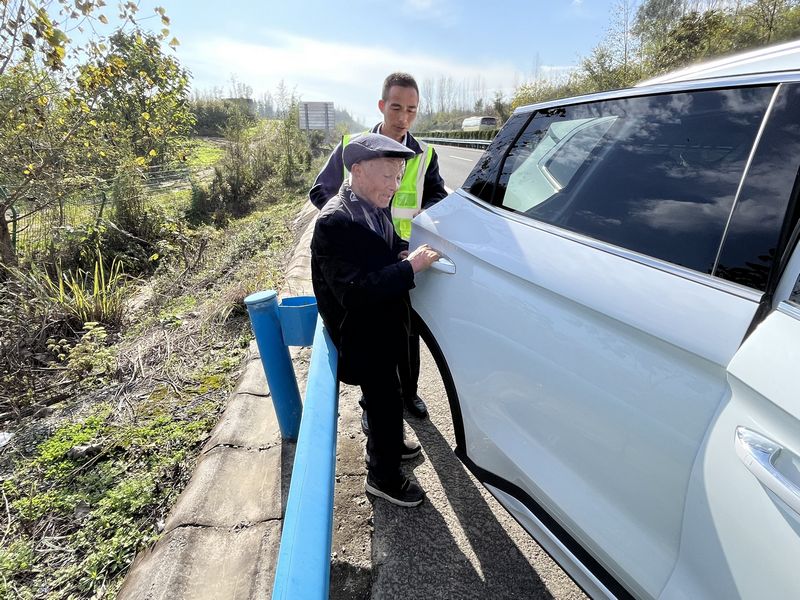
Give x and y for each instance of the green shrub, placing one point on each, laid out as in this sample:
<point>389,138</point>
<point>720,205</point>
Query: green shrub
<point>91,359</point>
<point>202,205</point>
<point>74,246</point>
<point>131,213</point>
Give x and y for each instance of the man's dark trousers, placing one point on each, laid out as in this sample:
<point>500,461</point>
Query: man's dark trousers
<point>381,389</point>
<point>409,369</point>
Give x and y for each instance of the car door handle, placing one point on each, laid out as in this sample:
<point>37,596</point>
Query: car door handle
<point>759,453</point>
<point>444,265</point>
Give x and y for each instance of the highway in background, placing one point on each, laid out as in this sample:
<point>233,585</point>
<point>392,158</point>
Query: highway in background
<point>456,163</point>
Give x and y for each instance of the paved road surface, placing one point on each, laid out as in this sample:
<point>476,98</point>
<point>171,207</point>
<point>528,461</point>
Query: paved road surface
<point>456,163</point>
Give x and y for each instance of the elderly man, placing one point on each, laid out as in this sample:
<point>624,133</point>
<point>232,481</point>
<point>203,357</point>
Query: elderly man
<point>421,187</point>
<point>362,271</point>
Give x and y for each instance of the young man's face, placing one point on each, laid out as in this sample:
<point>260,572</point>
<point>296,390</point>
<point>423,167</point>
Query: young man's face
<point>399,111</point>
<point>377,180</point>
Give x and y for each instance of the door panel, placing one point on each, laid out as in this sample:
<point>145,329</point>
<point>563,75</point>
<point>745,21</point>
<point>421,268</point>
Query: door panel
<point>587,377</point>
<point>739,539</point>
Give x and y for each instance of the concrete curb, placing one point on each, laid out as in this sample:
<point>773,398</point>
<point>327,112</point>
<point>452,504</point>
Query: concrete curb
<point>221,538</point>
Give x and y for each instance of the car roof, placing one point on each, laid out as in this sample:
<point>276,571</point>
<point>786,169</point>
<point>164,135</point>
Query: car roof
<point>770,59</point>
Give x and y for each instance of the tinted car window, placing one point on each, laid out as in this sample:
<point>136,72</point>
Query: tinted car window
<point>657,174</point>
<point>481,181</point>
<point>567,157</point>
<point>759,225</point>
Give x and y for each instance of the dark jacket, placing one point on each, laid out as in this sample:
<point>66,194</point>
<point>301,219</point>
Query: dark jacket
<point>330,179</point>
<point>362,291</point>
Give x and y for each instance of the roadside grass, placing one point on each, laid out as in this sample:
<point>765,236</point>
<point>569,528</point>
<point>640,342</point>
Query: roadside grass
<point>172,202</point>
<point>92,484</point>
<point>203,153</point>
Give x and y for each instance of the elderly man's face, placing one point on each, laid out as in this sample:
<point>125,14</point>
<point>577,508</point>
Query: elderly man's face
<point>377,180</point>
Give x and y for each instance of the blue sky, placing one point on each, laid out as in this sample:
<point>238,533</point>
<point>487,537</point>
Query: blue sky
<point>341,51</point>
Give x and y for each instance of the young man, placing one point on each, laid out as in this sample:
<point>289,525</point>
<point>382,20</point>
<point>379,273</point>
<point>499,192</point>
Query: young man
<point>361,271</point>
<point>420,188</point>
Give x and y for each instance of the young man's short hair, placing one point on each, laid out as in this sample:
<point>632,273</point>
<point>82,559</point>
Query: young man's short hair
<point>401,79</point>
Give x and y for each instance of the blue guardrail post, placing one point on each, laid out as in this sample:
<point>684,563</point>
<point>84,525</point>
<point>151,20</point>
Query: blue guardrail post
<point>263,310</point>
<point>304,560</point>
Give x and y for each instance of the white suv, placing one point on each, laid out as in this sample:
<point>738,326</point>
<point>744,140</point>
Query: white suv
<point>615,323</point>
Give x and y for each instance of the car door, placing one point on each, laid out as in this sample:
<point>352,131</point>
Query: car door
<point>742,521</point>
<point>741,528</point>
<point>588,332</point>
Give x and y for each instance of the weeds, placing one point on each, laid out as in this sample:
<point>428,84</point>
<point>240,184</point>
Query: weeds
<point>91,360</point>
<point>105,506</point>
<point>97,297</point>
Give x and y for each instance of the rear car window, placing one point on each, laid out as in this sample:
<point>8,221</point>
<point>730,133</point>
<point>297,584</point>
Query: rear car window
<point>766,208</point>
<point>656,174</point>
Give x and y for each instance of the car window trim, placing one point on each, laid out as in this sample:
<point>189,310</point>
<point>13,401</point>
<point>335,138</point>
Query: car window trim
<point>788,271</point>
<point>722,285</point>
<point>790,309</point>
<point>722,83</point>
<point>745,173</point>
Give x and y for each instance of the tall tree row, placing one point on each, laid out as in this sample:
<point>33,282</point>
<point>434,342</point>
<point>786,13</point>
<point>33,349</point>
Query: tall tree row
<point>649,37</point>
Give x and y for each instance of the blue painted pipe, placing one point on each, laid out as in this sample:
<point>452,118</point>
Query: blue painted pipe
<point>298,317</point>
<point>304,560</point>
<point>263,310</point>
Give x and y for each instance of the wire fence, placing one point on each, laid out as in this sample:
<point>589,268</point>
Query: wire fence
<point>33,221</point>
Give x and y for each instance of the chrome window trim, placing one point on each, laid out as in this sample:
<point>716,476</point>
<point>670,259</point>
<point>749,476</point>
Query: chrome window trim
<point>670,88</point>
<point>790,309</point>
<point>745,173</point>
<point>722,285</point>
<point>551,178</point>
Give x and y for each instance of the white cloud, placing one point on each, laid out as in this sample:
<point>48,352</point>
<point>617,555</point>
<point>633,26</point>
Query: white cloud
<point>348,74</point>
<point>439,11</point>
<point>577,9</point>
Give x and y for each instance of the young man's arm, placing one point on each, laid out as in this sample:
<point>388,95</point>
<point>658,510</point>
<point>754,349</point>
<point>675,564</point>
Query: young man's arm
<point>434,184</point>
<point>329,180</point>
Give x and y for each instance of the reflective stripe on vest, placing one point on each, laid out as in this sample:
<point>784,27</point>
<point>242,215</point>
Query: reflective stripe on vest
<point>407,201</point>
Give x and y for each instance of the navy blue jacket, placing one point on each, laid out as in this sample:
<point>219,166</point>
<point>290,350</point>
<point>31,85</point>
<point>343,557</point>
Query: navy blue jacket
<point>361,286</point>
<point>330,179</point>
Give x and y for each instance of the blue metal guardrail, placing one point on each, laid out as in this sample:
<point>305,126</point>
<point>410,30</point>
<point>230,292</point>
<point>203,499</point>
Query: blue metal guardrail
<point>263,308</point>
<point>304,559</point>
<point>480,144</point>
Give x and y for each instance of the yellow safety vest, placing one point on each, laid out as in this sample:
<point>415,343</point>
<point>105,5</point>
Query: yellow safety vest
<point>407,201</point>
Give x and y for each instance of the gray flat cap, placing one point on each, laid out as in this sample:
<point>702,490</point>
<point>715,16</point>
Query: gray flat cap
<point>373,145</point>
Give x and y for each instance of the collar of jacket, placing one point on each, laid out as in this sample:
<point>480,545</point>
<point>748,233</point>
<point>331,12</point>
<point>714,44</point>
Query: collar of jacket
<point>411,141</point>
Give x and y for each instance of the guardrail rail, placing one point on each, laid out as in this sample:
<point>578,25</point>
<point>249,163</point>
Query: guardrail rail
<point>480,144</point>
<point>304,558</point>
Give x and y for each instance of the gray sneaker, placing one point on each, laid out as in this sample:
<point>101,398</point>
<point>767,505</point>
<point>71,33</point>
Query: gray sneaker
<point>407,493</point>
